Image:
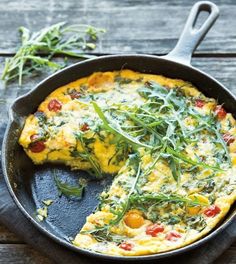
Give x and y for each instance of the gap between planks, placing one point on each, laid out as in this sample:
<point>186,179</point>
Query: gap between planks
<point>195,55</point>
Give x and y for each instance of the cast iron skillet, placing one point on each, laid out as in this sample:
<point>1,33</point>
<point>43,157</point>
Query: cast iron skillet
<point>29,184</point>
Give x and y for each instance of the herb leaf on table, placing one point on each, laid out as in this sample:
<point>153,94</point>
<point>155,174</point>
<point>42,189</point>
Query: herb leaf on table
<point>38,48</point>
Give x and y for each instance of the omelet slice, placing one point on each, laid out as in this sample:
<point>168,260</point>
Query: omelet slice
<point>170,148</point>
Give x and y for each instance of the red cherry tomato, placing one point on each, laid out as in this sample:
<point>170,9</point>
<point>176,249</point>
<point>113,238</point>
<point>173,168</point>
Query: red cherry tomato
<point>228,138</point>
<point>84,127</point>
<point>220,112</point>
<point>54,105</point>
<point>199,103</point>
<point>154,229</point>
<point>37,146</point>
<point>212,211</point>
<point>74,94</point>
<point>36,137</point>
<point>173,236</point>
<point>37,143</point>
<point>126,246</point>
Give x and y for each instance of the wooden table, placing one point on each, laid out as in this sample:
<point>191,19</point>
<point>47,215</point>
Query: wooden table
<point>132,26</point>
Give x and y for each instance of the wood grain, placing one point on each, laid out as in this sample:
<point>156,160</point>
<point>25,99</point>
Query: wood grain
<point>21,254</point>
<point>132,26</point>
<point>6,236</point>
<point>229,257</point>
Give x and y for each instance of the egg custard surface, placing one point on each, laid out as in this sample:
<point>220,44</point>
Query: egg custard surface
<point>170,150</point>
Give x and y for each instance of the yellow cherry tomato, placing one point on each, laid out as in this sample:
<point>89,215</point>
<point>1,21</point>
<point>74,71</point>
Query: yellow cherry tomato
<point>134,219</point>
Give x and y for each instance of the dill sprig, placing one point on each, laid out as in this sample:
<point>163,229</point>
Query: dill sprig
<point>38,48</point>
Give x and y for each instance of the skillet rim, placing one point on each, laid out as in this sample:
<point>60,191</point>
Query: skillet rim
<point>64,242</point>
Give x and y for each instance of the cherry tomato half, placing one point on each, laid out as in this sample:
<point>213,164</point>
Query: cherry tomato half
<point>212,211</point>
<point>54,105</point>
<point>36,137</point>
<point>220,112</point>
<point>37,146</point>
<point>199,103</point>
<point>133,219</point>
<point>84,127</point>
<point>173,236</point>
<point>228,138</point>
<point>154,229</point>
<point>126,246</point>
<point>74,94</point>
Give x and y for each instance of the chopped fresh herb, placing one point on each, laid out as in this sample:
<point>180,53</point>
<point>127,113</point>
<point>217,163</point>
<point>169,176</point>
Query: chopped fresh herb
<point>122,80</point>
<point>173,220</point>
<point>196,222</point>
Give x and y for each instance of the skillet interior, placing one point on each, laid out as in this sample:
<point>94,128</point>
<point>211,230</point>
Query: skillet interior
<point>30,184</point>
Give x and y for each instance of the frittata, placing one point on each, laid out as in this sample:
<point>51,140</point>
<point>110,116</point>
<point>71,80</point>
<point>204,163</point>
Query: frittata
<point>170,150</point>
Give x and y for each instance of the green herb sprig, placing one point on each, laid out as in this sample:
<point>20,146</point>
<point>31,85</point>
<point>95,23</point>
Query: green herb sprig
<point>86,154</point>
<point>38,48</point>
<point>70,190</point>
<point>164,137</point>
<point>102,233</point>
<point>161,197</point>
<point>131,140</point>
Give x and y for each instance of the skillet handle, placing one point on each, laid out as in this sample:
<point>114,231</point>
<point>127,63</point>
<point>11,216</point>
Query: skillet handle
<point>191,37</point>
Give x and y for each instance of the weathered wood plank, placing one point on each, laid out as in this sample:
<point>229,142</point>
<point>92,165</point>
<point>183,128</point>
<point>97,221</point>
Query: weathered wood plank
<point>24,254</point>
<point>228,257</point>
<point>21,254</point>
<point>6,236</point>
<point>133,26</point>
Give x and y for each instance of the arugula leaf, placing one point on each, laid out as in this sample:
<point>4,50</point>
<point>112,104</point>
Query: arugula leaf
<point>175,168</point>
<point>87,156</point>
<point>56,39</point>
<point>161,197</point>
<point>122,206</point>
<point>126,203</point>
<point>134,142</point>
<point>69,190</point>
<point>212,125</point>
<point>190,161</point>
<point>148,200</point>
